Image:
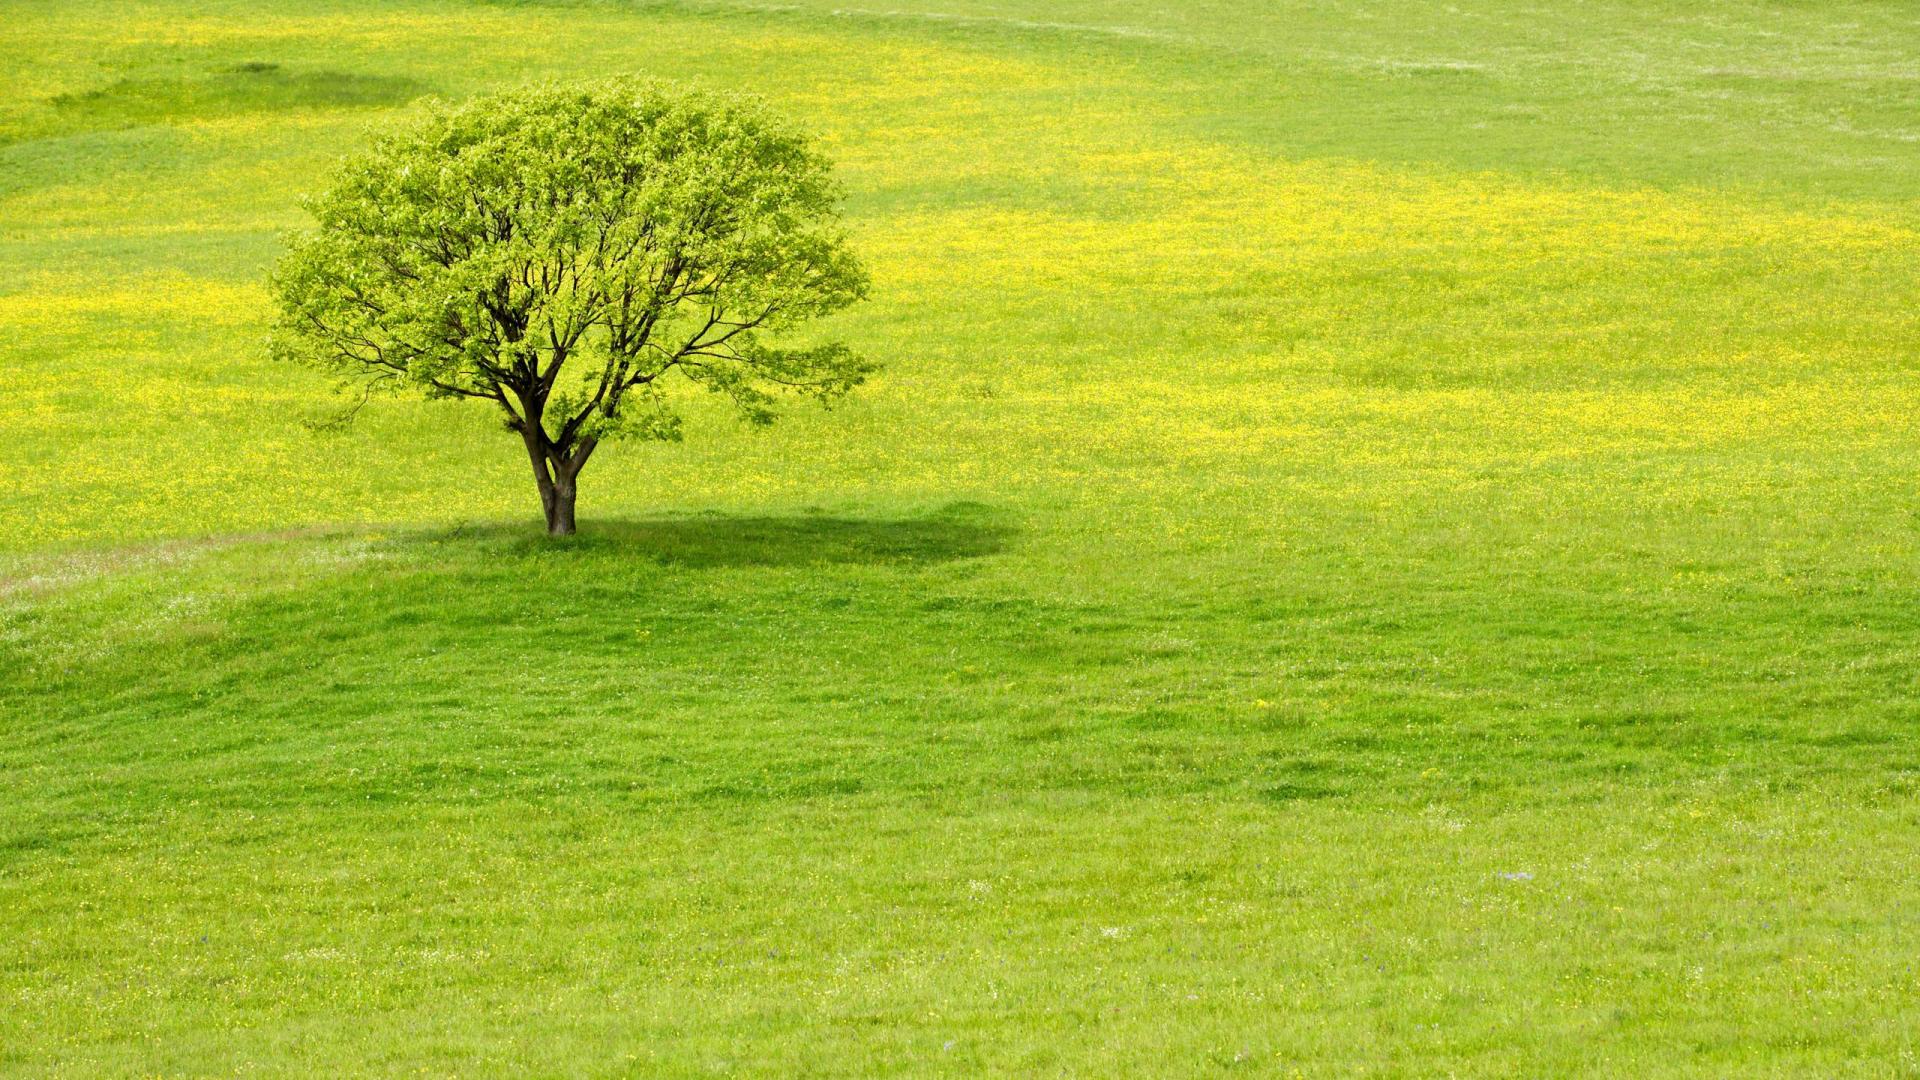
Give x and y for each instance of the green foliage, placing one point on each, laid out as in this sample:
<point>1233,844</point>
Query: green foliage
<point>558,251</point>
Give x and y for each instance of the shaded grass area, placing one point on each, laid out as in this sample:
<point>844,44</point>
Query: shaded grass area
<point>916,668</point>
<point>247,87</point>
<point>959,531</point>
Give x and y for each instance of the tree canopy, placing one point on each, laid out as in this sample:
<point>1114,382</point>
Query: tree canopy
<point>558,252</point>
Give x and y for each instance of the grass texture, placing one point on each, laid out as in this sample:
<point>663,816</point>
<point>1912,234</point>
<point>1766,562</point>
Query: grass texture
<point>1386,544</point>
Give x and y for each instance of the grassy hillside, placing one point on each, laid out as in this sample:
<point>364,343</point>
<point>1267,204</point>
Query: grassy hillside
<point>1387,543</point>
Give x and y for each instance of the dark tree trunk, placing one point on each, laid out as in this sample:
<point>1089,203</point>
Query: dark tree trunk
<point>566,475</point>
<point>560,508</point>
<point>558,512</point>
<point>554,470</point>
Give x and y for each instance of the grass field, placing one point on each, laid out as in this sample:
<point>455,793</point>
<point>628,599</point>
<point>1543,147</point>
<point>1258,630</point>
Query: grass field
<point>1387,543</point>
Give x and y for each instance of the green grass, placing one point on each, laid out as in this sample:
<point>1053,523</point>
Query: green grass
<point>255,86</point>
<point>1387,544</point>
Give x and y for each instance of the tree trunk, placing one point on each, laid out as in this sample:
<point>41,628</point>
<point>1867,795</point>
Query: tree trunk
<point>560,508</point>
<point>566,473</point>
<point>554,472</point>
<point>557,508</point>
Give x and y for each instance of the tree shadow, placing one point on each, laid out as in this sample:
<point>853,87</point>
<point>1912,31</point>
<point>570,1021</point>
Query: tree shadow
<point>962,530</point>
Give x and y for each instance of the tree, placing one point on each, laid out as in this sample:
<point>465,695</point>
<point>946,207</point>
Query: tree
<point>558,252</point>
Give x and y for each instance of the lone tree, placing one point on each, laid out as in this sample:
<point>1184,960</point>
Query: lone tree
<point>557,252</point>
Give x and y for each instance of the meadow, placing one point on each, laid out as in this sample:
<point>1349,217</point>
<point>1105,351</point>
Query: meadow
<point>1386,544</point>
